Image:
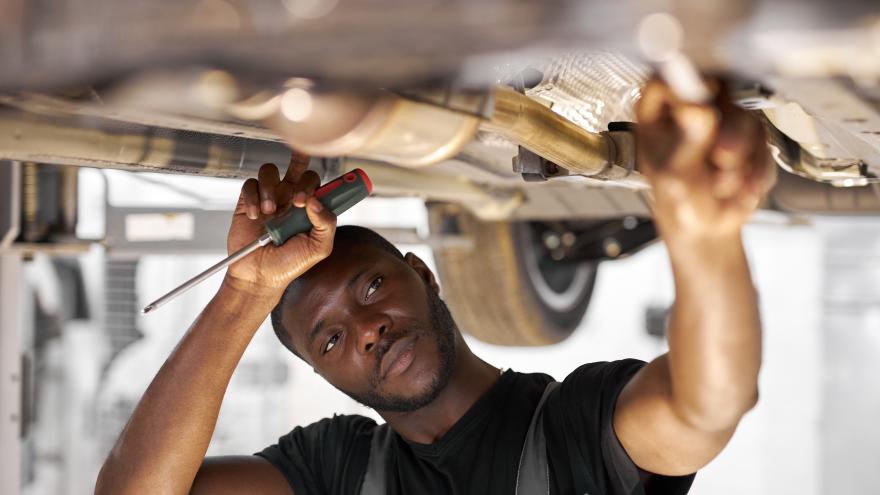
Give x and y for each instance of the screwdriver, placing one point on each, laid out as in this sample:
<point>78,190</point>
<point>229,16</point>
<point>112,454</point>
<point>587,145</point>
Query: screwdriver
<point>338,195</point>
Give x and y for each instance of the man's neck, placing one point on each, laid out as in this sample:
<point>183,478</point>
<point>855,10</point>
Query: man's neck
<point>471,378</point>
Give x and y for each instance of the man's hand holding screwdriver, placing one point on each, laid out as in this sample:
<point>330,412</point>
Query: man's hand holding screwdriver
<point>270,269</point>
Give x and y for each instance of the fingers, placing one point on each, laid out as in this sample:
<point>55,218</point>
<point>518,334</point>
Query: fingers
<point>653,106</point>
<point>299,163</point>
<point>657,135</point>
<point>268,181</point>
<point>727,183</point>
<point>249,200</point>
<point>763,171</point>
<point>699,126</point>
<point>305,188</point>
<point>738,137</point>
<point>751,179</point>
<point>740,151</point>
<point>720,147</point>
<point>268,194</point>
<point>674,136</point>
<point>660,106</point>
<point>296,170</point>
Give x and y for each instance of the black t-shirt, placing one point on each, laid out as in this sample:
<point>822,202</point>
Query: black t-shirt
<point>480,453</point>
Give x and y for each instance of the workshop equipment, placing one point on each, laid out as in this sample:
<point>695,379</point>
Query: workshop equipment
<point>338,195</point>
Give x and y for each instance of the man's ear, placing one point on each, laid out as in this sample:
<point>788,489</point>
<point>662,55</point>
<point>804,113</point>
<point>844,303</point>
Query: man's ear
<point>422,269</point>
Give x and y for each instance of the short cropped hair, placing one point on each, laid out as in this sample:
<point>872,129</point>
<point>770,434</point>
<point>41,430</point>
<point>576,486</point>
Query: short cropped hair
<point>346,236</point>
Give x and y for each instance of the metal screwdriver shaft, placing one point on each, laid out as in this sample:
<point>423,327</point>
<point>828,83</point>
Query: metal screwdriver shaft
<point>189,284</point>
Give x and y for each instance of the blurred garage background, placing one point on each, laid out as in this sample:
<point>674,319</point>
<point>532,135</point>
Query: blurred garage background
<point>77,353</point>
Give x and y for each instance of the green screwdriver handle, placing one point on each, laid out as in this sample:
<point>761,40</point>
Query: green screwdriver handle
<point>337,195</point>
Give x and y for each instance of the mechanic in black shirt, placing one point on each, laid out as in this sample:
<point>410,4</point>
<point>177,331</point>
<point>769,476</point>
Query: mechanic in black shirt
<point>371,322</point>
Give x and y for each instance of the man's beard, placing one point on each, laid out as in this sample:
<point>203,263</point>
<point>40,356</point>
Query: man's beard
<point>443,335</point>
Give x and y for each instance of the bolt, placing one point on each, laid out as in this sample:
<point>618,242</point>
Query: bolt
<point>557,254</point>
<point>612,247</point>
<point>630,222</point>
<point>551,240</point>
<point>568,239</point>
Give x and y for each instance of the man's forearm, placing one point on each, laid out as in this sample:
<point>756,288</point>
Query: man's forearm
<point>715,332</point>
<point>163,444</point>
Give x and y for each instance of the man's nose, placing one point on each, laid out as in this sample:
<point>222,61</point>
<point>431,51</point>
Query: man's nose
<point>370,331</point>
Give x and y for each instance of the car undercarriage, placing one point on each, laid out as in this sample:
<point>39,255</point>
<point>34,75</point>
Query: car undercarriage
<point>513,120</point>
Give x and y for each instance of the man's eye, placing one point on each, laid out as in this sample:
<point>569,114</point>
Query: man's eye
<point>374,286</point>
<point>331,343</point>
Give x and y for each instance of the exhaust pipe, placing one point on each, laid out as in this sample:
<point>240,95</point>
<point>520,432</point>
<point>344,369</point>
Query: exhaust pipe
<point>549,135</point>
<point>425,128</point>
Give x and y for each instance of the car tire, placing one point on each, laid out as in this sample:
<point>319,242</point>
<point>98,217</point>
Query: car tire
<point>504,288</point>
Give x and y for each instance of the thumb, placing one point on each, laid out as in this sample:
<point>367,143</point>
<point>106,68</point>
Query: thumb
<point>323,227</point>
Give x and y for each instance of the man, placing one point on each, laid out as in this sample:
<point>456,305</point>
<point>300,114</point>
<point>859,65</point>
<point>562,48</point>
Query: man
<point>371,322</point>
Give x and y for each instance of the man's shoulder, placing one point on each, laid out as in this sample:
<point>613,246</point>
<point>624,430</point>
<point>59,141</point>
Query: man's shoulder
<point>594,383</point>
<point>333,428</point>
<point>315,458</point>
<point>590,383</point>
<point>596,371</point>
<point>604,370</point>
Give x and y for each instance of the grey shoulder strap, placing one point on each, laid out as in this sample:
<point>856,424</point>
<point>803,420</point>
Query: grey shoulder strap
<point>533,476</point>
<point>374,479</point>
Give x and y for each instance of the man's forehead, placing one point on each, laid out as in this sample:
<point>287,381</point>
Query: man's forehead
<point>343,260</point>
<point>312,291</point>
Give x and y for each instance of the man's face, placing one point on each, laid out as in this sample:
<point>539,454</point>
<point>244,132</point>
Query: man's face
<point>374,327</point>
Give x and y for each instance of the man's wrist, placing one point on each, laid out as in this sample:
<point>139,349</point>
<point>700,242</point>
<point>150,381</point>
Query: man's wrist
<point>704,248</point>
<point>246,292</point>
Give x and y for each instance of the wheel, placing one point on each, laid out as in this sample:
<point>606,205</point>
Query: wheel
<point>506,289</point>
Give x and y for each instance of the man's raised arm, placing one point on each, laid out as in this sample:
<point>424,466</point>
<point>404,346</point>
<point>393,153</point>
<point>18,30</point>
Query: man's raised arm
<point>709,169</point>
<point>162,448</point>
